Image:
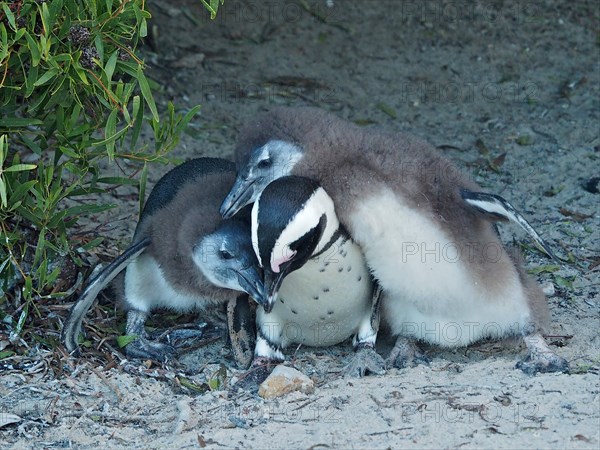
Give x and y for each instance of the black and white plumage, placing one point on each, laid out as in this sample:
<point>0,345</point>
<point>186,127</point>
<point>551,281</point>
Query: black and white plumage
<point>426,231</point>
<point>318,289</point>
<point>183,257</point>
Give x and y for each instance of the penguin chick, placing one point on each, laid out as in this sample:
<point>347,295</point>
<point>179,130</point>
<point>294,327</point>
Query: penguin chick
<point>318,289</point>
<point>426,232</point>
<point>182,257</point>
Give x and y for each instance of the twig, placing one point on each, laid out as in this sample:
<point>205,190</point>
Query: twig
<point>389,431</point>
<point>303,405</point>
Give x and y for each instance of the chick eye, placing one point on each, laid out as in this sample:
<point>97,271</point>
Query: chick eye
<point>265,163</point>
<point>224,254</point>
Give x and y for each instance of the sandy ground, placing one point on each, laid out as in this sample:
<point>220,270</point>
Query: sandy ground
<point>509,90</point>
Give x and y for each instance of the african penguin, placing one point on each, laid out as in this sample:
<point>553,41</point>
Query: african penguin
<point>426,231</point>
<point>183,257</point>
<point>318,289</point>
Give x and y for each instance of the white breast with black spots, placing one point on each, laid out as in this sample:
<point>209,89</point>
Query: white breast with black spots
<point>325,301</point>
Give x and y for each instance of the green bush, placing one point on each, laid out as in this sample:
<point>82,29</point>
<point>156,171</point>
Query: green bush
<point>72,93</point>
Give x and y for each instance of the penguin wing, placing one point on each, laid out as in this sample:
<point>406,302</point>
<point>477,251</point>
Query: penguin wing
<point>72,326</point>
<point>497,208</point>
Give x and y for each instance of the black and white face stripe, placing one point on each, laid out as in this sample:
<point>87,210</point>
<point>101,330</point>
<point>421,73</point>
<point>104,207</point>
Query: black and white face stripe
<point>288,210</point>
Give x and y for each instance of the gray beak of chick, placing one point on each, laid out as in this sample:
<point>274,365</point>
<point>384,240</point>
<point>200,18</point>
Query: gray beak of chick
<point>251,282</point>
<point>239,196</point>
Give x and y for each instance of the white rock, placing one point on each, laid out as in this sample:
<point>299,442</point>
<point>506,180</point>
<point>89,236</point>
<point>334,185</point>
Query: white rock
<point>284,380</point>
<point>548,289</point>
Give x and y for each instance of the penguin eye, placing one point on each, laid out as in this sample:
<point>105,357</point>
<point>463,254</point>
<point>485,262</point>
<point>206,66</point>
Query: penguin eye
<point>224,254</point>
<point>265,163</point>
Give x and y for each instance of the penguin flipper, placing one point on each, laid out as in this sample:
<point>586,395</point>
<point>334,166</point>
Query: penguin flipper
<point>72,327</point>
<point>497,208</point>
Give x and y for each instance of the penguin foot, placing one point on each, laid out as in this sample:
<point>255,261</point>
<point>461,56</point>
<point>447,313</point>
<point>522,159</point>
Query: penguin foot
<point>365,360</point>
<point>250,380</point>
<point>185,339</point>
<point>545,364</point>
<point>406,354</point>
<point>143,348</point>
<point>541,359</point>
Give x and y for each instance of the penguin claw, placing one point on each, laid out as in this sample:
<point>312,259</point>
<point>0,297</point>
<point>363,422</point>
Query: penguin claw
<point>543,363</point>
<point>406,354</point>
<point>143,348</point>
<point>365,360</point>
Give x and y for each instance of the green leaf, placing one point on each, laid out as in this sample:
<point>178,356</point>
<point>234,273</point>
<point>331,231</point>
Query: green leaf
<point>32,145</point>
<point>9,15</point>
<point>123,341</point>
<point>3,196</point>
<point>109,133</point>
<point>199,388</point>
<point>45,15</point>
<point>138,117</point>
<point>387,109</point>
<point>68,151</point>
<point>117,180</point>
<point>25,312</point>
<point>544,269</point>
<point>143,28</point>
<point>92,244</point>
<point>20,167</point>
<point>525,139</point>
<point>218,379</point>
<point>6,354</point>
<point>3,42</point>
<point>146,93</point>
<point>99,46</point>
<point>88,209</point>
<point>46,77</point>
<point>20,190</point>
<point>183,123</point>
<point>565,282</point>
<point>18,122</point>
<point>212,7</point>
<point>34,49</point>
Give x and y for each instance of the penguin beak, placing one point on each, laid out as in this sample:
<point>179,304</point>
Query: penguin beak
<point>251,282</point>
<point>239,196</point>
<point>272,283</point>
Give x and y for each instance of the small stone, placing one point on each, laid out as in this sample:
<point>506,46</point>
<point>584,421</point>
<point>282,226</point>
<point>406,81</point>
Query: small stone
<point>284,380</point>
<point>548,289</point>
<point>592,185</point>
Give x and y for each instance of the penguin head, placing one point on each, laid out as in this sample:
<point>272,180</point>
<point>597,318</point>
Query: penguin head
<point>256,169</point>
<point>226,258</point>
<point>292,220</point>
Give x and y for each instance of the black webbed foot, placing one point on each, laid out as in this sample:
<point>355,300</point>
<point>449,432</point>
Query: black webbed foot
<point>365,360</point>
<point>143,348</point>
<point>406,354</point>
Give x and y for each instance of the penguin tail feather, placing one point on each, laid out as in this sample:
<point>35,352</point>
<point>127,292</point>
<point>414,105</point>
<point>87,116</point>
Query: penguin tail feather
<point>72,327</point>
